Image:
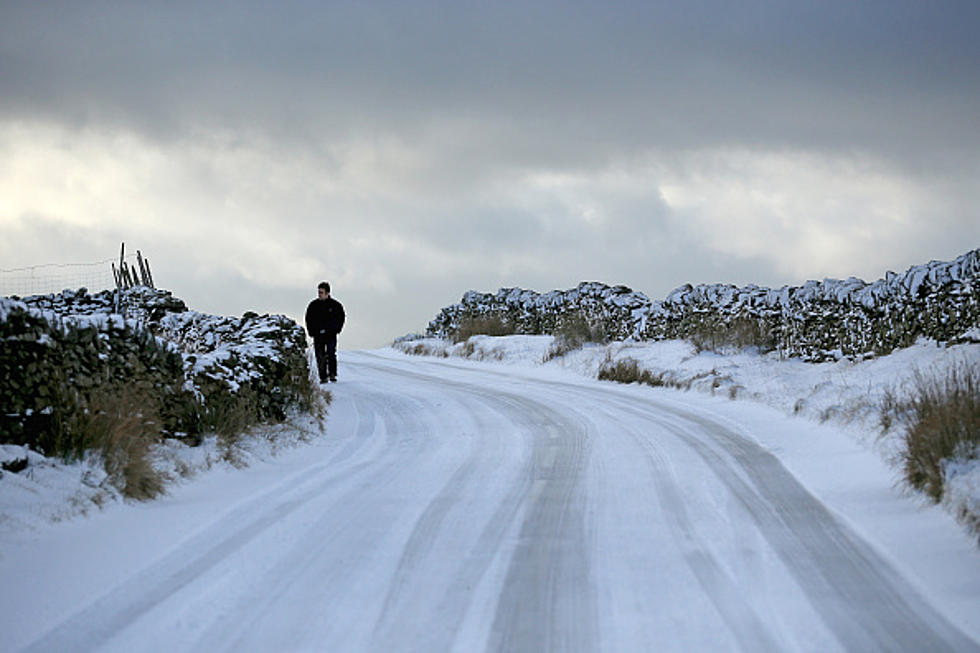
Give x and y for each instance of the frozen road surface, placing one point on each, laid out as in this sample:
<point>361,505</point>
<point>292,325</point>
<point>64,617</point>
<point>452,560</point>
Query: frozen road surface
<point>469,508</point>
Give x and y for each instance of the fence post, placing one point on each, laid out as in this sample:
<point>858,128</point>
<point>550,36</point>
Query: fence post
<point>119,277</point>
<point>139,260</point>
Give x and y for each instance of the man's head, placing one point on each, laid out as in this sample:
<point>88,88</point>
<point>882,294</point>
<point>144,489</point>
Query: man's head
<point>323,290</point>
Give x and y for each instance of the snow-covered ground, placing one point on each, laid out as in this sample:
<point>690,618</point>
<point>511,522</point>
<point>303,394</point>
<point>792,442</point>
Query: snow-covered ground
<point>845,393</point>
<point>50,490</point>
<point>454,504</point>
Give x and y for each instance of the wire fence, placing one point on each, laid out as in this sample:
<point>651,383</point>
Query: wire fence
<point>55,277</point>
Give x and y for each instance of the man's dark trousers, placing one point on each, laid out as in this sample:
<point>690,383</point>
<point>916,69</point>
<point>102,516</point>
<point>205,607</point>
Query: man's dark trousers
<point>325,349</point>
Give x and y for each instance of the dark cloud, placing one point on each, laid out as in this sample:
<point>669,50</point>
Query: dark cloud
<point>410,151</point>
<point>560,77</point>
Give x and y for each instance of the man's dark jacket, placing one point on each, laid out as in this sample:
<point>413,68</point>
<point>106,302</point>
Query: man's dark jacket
<point>324,318</point>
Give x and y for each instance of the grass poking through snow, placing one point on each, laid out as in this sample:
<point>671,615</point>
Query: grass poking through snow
<point>941,418</point>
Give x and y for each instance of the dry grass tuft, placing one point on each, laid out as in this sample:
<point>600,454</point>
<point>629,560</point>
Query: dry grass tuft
<point>628,370</point>
<point>942,423</point>
<point>486,325</point>
<point>467,350</point>
<point>742,332</point>
<point>413,348</point>
<point>123,424</point>
<point>573,332</point>
<point>231,416</point>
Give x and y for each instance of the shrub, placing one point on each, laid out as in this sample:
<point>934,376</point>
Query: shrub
<point>484,325</point>
<point>122,423</point>
<point>628,370</point>
<point>413,348</point>
<point>311,399</point>
<point>574,330</point>
<point>942,423</point>
<point>739,333</point>
<point>467,350</point>
<point>230,416</point>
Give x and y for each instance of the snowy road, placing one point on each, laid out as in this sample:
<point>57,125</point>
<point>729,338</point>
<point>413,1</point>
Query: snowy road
<point>478,508</point>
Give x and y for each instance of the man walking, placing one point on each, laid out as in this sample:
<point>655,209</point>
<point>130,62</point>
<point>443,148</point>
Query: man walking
<point>324,320</point>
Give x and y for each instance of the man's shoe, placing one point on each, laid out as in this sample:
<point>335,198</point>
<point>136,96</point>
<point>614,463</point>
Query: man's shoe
<point>333,379</point>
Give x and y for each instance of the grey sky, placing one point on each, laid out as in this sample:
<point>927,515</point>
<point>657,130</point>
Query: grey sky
<point>408,152</point>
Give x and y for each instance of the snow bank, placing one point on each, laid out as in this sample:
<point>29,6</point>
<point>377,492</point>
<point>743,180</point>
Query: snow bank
<point>844,391</point>
<point>50,490</point>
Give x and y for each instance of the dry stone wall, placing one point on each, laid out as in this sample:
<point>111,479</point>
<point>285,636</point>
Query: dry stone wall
<point>51,364</point>
<point>59,350</point>
<point>817,321</point>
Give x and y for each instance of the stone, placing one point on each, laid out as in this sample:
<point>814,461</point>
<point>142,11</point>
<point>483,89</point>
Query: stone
<point>15,465</point>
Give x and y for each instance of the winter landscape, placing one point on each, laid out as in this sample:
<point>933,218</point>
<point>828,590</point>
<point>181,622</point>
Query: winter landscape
<point>490,326</point>
<point>480,491</point>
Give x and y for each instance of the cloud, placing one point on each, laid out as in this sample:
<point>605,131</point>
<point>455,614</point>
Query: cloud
<point>566,80</point>
<point>244,225</point>
<point>811,215</point>
<point>408,152</point>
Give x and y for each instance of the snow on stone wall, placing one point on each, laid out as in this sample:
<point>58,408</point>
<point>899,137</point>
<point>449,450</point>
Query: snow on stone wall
<point>265,353</point>
<point>58,348</point>
<point>54,359</point>
<point>817,321</point>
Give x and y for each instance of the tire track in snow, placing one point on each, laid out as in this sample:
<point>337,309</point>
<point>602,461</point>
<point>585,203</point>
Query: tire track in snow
<point>434,626</point>
<point>547,596</point>
<point>521,575</point>
<point>864,602</point>
<point>741,617</point>
<point>124,605</point>
<point>254,616</point>
<point>861,598</point>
